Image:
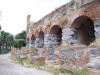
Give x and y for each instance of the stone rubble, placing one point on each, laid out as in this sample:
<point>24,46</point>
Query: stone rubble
<point>67,58</point>
<point>39,43</point>
<point>94,58</point>
<point>69,36</point>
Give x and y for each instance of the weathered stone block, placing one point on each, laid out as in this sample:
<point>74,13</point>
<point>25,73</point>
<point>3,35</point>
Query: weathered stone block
<point>43,52</point>
<point>69,36</point>
<point>67,58</point>
<point>37,59</point>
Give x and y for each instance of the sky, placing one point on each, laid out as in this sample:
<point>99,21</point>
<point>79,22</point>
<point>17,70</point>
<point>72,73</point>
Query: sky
<point>14,12</point>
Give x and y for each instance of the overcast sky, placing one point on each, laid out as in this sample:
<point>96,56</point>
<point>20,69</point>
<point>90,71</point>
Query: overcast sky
<point>14,12</point>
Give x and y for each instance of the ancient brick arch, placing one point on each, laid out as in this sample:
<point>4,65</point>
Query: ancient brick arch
<point>41,34</point>
<point>55,25</point>
<point>85,29</point>
<point>40,40</point>
<point>33,37</point>
<point>27,39</point>
<point>91,10</point>
<point>32,41</point>
<point>86,18</point>
<point>74,19</point>
<point>56,32</point>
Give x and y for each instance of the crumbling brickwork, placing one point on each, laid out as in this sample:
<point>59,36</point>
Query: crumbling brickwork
<point>63,17</point>
<point>67,25</point>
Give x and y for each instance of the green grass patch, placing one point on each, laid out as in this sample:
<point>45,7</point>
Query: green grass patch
<point>38,65</point>
<point>82,72</point>
<point>58,71</point>
<point>21,61</point>
<point>63,12</point>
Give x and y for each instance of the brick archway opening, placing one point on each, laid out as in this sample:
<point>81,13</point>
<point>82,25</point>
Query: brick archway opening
<point>56,33</point>
<point>33,40</point>
<point>41,39</point>
<point>27,42</point>
<point>85,29</point>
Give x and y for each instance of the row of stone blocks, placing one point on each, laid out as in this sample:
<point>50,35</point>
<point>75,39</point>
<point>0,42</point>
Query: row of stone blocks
<point>74,57</point>
<point>69,36</point>
<point>26,52</point>
<point>80,58</point>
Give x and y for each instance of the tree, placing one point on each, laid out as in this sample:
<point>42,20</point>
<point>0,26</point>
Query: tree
<point>6,41</point>
<point>21,35</point>
<point>20,40</point>
<point>18,43</point>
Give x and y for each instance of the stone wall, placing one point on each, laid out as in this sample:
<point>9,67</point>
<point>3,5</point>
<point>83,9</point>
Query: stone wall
<point>75,57</point>
<point>67,58</point>
<point>94,55</point>
<point>50,42</point>
<point>64,17</point>
<point>69,36</point>
<point>39,43</point>
<point>97,30</point>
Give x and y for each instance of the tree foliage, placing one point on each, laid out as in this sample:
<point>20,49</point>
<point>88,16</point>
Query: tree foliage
<point>72,2</point>
<point>6,41</point>
<point>20,40</point>
<point>21,35</point>
<point>18,43</point>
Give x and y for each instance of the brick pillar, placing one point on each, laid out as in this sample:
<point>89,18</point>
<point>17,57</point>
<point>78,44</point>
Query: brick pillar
<point>27,32</point>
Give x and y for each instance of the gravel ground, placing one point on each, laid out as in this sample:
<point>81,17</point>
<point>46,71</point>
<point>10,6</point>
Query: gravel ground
<point>9,68</point>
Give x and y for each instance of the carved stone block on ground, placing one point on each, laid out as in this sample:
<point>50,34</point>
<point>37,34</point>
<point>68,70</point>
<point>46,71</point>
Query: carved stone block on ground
<point>37,59</point>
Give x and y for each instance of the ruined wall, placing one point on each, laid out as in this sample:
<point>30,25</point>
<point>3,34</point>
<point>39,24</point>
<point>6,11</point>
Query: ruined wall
<point>64,17</point>
<point>74,23</point>
<point>85,1</point>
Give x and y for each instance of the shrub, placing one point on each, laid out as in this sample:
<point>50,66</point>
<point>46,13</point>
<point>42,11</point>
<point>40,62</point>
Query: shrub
<point>63,21</point>
<point>3,51</point>
<point>18,43</point>
<point>20,60</point>
<point>72,2</point>
<point>28,60</point>
<point>63,12</point>
<point>36,49</point>
<point>77,4</point>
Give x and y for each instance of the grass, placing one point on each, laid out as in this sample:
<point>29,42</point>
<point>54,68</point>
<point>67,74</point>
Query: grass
<point>63,12</point>
<point>27,62</point>
<point>65,72</point>
<point>36,49</point>
<point>21,61</point>
<point>82,72</point>
<point>38,65</point>
<point>62,71</point>
<point>58,71</point>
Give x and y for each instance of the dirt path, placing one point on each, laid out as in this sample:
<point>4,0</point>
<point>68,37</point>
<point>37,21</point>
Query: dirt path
<point>9,68</point>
